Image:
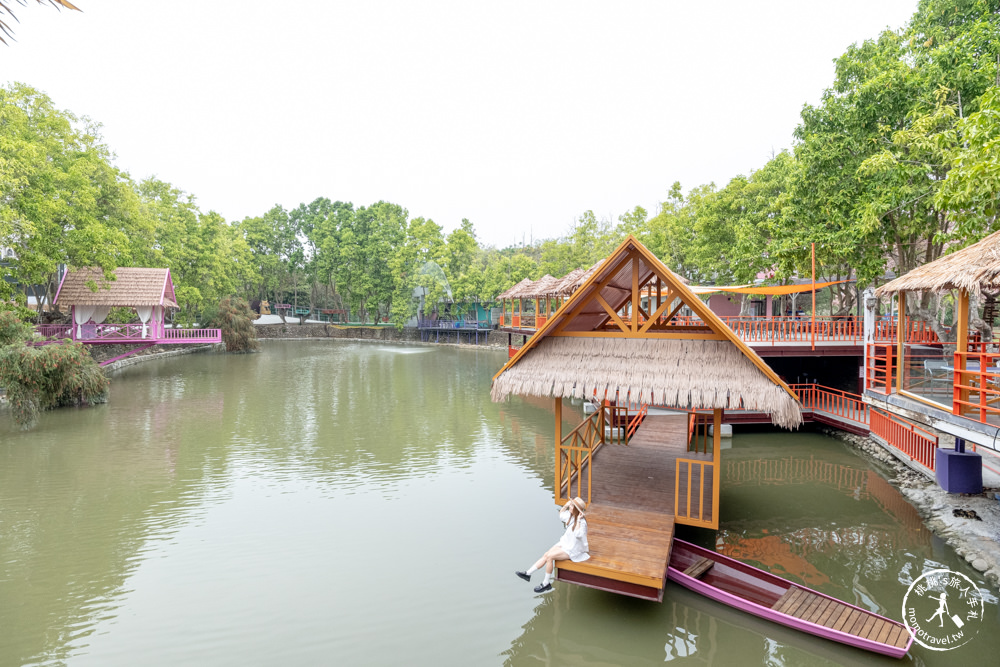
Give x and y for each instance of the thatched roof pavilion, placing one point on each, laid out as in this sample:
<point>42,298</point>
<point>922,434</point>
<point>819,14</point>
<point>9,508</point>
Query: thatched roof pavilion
<point>541,288</point>
<point>511,292</point>
<point>132,287</point>
<point>596,344</point>
<point>968,270</point>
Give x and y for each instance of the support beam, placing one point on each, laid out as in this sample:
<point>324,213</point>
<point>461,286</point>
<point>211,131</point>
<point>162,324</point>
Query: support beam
<point>961,346</point>
<point>900,338</point>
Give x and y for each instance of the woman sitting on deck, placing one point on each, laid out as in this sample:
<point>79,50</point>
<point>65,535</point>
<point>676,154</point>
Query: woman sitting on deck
<point>572,545</point>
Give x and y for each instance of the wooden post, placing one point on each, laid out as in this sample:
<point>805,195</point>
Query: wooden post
<point>717,465</point>
<point>659,293</point>
<point>900,339</point>
<point>813,327</point>
<point>635,294</point>
<point>558,411</point>
<point>961,346</point>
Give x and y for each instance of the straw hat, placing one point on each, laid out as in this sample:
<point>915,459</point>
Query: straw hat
<point>578,503</point>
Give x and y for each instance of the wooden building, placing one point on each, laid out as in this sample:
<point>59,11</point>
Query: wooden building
<point>613,341</point>
<point>952,387</point>
<point>149,292</point>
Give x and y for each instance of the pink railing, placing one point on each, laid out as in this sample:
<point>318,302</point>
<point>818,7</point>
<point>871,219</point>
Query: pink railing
<point>192,334</point>
<point>832,401</point>
<point>907,437</point>
<point>54,330</point>
<point>125,333</point>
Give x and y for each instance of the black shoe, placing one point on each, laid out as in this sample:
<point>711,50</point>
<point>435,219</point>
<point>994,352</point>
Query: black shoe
<point>543,588</point>
<point>524,575</point>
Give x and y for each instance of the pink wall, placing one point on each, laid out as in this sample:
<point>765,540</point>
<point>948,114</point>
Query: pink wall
<point>723,304</point>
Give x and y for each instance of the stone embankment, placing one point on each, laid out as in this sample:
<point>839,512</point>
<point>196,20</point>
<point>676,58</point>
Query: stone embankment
<point>408,335</point>
<point>970,524</point>
<point>289,331</point>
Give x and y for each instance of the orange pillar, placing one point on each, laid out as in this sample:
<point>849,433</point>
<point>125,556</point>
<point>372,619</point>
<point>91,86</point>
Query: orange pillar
<point>961,347</point>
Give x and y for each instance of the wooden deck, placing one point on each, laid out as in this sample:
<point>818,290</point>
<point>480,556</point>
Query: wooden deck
<point>834,614</point>
<point>631,516</point>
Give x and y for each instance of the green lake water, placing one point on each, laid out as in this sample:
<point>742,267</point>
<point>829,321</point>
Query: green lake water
<point>347,503</point>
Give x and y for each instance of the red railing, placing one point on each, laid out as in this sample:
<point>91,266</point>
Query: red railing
<point>799,329</point>
<point>976,383</point>
<point>907,437</point>
<point>634,423</point>
<point>836,402</point>
<point>878,368</point>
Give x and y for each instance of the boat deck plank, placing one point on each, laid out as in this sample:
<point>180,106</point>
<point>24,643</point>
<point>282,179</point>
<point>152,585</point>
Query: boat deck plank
<point>631,514</point>
<point>808,606</point>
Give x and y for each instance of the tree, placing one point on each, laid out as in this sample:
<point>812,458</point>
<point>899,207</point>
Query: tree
<point>276,250</point>
<point>207,258</point>
<point>364,273</point>
<point>61,200</point>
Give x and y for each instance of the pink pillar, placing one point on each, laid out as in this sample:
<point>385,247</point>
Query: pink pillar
<point>768,305</point>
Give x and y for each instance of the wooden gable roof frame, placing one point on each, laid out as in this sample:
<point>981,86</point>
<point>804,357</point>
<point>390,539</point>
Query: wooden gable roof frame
<point>603,339</point>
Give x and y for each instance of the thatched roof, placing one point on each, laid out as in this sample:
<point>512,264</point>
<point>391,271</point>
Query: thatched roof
<point>595,342</point>
<point>543,287</point>
<point>568,283</point>
<point>511,292</point>
<point>970,269</point>
<point>132,287</point>
<point>673,373</point>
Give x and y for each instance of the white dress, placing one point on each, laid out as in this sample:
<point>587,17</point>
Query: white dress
<point>574,541</point>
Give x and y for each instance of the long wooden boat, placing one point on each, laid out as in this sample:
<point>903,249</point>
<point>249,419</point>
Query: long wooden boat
<point>763,594</point>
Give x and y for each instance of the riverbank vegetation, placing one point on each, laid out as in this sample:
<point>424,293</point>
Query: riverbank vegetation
<point>41,377</point>
<point>897,164</point>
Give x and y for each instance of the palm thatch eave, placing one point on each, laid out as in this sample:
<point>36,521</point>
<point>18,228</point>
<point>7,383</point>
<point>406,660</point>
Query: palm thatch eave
<point>701,374</point>
<point>971,269</point>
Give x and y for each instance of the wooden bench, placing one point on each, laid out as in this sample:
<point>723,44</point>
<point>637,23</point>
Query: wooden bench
<point>698,568</point>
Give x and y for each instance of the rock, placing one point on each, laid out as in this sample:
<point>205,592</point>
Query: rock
<point>980,564</point>
<point>971,557</point>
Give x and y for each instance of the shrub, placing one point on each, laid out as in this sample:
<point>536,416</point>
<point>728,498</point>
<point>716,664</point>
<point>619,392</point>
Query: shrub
<point>12,329</point>
<point>46,376</point>
<point>235,319</point>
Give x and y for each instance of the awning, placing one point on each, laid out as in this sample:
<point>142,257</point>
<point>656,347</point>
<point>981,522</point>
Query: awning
<point>773,290</point>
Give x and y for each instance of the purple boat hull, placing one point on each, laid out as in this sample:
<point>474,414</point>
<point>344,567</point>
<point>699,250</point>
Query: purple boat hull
<point>754,591</point>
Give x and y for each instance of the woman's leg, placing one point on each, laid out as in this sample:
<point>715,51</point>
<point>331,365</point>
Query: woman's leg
<point>551,556</point>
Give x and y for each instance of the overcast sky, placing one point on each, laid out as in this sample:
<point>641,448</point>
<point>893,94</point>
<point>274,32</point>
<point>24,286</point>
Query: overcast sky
<point>517,115</point>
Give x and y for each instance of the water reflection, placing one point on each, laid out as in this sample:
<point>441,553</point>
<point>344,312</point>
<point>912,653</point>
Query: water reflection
<point>803,506</point>
<point>343,502</point>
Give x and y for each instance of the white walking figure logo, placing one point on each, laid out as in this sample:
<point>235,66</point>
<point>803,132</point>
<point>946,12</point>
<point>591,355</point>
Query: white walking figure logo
<point>941,610</point>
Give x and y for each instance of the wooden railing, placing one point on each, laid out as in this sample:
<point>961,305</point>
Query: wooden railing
<point>688,470</point>
<point>573,457</point>
<point>635,422</point>
<point>126,333</point>
<point>833,401</point>
<point>54,330</point>
<point>616,419</point>
<point>193,335</point>
<point>976,383</point>
<point>878,367</point>
<point>907,437</point>
<point>699,440</point>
